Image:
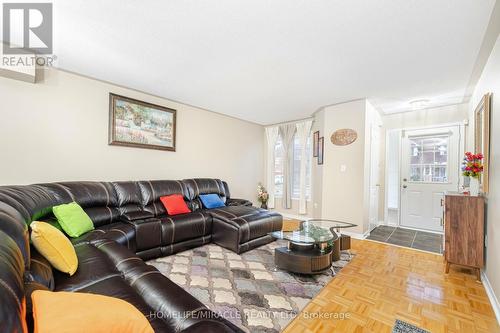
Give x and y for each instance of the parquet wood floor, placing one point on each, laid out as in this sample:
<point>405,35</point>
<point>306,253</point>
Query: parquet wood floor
<point>384,283</point>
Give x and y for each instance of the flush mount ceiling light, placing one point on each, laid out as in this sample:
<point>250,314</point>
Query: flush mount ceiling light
<point>419,104</point>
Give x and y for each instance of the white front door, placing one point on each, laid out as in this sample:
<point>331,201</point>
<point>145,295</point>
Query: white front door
<point>429,167</point>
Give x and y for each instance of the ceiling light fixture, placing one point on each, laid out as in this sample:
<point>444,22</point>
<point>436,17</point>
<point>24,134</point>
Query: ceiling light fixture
<point>419,104</point>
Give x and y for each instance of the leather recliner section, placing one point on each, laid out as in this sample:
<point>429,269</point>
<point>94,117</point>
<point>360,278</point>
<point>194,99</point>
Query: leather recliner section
<point>130,224</point>
<point>12,307</point>
<point>242,228</point>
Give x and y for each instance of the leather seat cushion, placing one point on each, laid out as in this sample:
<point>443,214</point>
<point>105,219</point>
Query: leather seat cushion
<point>117,287</point>
<point>40,270</point>
<point>97,273</point>
<point>120,232</point>
<point>178,228</point>
<point>231,212</point>
<point>125,261</point>
<point>250,222</point>
<point>93,266</point>
<point>163,298</point>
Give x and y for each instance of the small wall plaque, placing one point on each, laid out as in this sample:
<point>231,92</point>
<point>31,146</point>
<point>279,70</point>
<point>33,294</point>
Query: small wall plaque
<point>344,137</point>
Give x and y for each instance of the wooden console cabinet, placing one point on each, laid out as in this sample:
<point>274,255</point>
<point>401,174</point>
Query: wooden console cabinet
<point>464,231</point>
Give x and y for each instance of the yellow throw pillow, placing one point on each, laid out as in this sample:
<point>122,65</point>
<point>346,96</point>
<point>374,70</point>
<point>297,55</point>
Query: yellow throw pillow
<point>54,246</point>
<point>69,312</point>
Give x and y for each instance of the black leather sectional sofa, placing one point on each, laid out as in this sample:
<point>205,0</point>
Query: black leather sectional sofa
<point>130,224</point>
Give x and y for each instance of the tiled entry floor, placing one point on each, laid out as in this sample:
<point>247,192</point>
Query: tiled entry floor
<point>420,240</point>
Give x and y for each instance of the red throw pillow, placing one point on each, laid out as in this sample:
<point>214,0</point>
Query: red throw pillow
<point>175,204</point>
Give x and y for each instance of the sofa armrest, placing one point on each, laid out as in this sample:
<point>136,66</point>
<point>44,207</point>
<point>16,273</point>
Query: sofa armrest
<point>238,202</point>
<point>135,216</point>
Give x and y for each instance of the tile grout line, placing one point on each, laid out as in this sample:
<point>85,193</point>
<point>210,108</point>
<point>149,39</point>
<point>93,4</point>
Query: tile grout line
<point>391,234</point>
<point>413,239</point>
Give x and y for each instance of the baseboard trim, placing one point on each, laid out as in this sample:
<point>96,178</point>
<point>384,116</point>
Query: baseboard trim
<point>389,224</point>
<point>355,235</point>
<point>295,217</point>
<point>423,230</point>
<point>491,295</point>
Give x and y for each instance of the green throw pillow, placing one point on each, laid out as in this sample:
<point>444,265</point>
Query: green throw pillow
<point>73,219</point>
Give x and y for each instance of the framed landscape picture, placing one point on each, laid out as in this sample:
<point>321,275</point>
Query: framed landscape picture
<point>321,150</point>
<point>482,115</point>
<point>134,123</point>
<point>315,144</point>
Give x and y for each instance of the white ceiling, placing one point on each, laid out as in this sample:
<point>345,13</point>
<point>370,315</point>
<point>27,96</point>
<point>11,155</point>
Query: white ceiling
<point>272,61</point>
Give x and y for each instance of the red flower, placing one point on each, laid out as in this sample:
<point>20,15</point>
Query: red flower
<point>472,165</point>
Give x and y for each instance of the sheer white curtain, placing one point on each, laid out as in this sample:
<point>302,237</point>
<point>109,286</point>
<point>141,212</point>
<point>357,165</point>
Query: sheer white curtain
<point>287,131</point>
<point>303,132</point>
<point>272,134</point>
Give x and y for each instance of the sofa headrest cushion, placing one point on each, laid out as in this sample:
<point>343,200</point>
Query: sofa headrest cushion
<point>175,204</point>
<point>211,201</point>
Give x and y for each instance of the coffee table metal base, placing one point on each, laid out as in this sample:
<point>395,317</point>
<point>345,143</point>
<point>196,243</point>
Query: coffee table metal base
<point>303,259</point>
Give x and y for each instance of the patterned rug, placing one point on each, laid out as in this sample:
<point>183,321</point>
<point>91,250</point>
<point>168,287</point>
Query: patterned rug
<point>404,327</point>
<point>246,289</point>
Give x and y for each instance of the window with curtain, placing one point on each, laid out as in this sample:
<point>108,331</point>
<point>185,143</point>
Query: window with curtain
<point>278,168</point>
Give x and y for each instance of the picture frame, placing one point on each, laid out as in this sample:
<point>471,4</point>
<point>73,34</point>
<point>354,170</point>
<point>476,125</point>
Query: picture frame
<point>315,144</point>
<point>482,115</point>
<point>134,123</point>
<point>321,150</point>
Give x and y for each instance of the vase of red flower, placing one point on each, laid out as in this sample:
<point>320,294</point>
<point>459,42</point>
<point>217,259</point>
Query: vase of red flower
<point>472,167</point>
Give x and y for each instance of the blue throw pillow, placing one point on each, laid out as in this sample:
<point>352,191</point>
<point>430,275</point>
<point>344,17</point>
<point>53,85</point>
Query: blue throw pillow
<point>211,201</point>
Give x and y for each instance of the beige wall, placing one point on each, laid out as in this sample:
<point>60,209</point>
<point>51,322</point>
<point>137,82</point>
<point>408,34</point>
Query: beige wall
<point>57,130</point>
<point>490,82</point>
<point>343,193</point>
<point>317,170</point>
<point>415,119</point>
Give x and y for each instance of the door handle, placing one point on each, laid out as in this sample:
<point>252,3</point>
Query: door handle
<point>405,186</point>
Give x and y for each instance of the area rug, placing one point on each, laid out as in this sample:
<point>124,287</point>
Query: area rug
<point>246,289</point>
<point>404,327</point>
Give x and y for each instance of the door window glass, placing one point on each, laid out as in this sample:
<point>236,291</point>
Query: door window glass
<point>429,159</point>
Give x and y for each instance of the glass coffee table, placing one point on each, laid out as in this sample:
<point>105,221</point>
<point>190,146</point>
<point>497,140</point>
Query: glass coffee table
<point>309,249</point>
<point>344,241</point>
